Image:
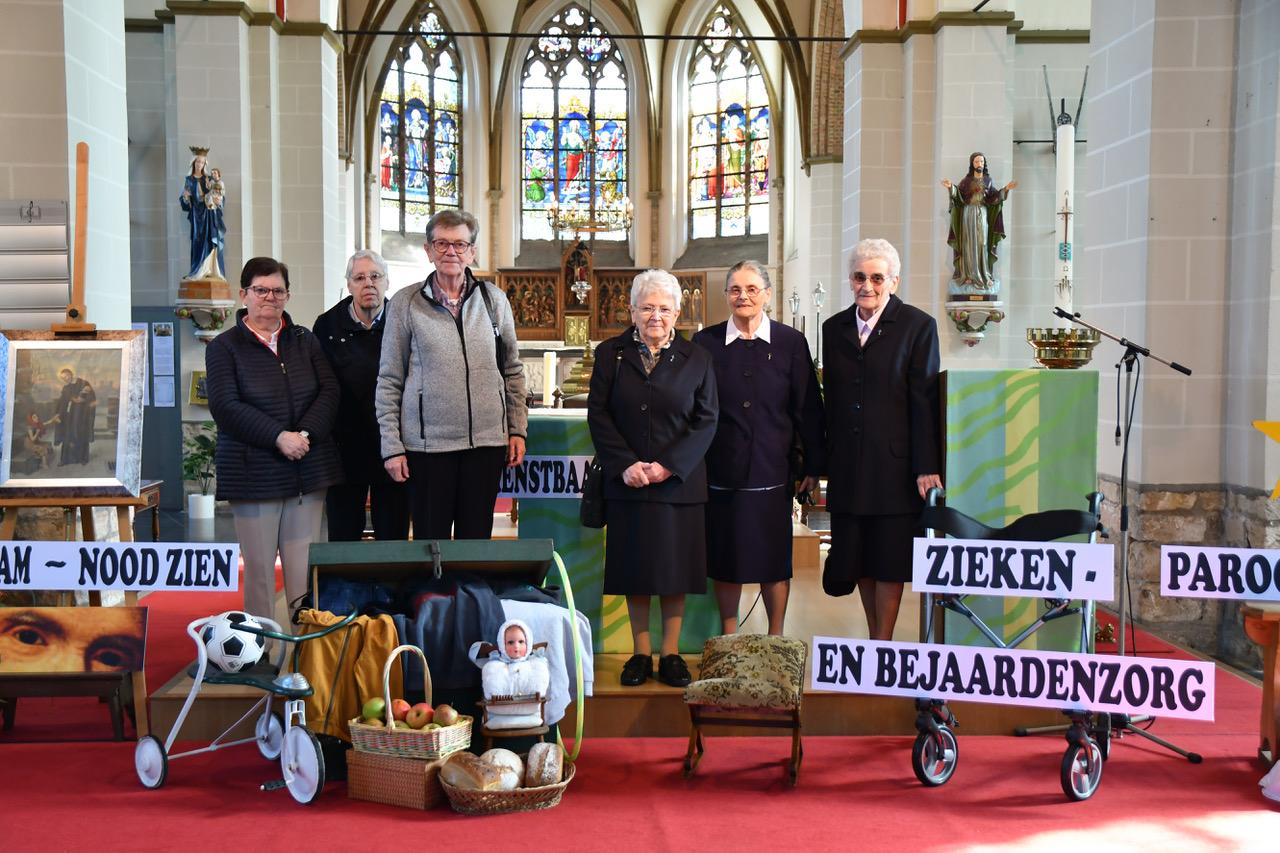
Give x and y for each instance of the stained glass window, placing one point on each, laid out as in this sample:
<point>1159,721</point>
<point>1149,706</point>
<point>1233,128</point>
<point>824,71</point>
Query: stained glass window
<point>573,125</point>
<point>728,134</point>
<point>419,129</point>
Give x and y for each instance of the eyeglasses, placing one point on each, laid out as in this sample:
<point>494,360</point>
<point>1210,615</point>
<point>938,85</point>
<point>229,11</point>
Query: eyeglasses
<point>372,278</point>
<point>458,246</point>
<point>268,292</point>
<point>751,292</point>
<point>649,310</point>
<point>876,278</point>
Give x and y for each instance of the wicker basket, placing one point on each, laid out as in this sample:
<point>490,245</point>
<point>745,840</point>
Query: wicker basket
<point>410,743</point>
<point>408,782</point>
<point>466,801</point>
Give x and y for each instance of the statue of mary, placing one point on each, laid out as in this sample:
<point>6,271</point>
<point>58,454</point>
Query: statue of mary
<point>202,195</point>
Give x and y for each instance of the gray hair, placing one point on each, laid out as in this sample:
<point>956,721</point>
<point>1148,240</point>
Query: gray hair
<point>655,280</point>
<point>873,248</point>
<point>751,266</point>
<point>450,218</point>
<point>367,255</point>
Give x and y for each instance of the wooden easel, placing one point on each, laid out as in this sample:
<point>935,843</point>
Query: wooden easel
<point>76,327</point>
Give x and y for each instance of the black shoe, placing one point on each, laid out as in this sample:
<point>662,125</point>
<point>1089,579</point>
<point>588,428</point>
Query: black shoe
<point>637,670</point>
<point>672,670</point>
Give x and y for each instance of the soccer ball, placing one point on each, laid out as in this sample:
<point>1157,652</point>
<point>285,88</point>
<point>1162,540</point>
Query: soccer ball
<point>230,649</point>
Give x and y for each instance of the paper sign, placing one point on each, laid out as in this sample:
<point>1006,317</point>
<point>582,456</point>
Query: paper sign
<point>545,477</point>
<point>1249,574</point>
<point>135,566</point>
<point>1024,569</point>
<point>1130,685</point>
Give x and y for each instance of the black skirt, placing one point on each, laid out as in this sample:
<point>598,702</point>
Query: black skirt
<point>749,535</point>
<point>869,546</point>
<point>654,548</point>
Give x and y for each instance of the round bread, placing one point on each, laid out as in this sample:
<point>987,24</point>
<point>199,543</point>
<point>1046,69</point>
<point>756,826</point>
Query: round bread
<point>509,766</point>
<point>544,766</point>
<point>465,770</point>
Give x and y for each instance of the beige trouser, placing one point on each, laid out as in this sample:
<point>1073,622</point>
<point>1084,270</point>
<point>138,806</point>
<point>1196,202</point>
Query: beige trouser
<point>286,526</point>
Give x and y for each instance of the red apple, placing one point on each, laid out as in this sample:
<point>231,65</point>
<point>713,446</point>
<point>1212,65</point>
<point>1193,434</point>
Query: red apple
<point>446,715</point>
<point>399,709</point>
<point>419,715</point>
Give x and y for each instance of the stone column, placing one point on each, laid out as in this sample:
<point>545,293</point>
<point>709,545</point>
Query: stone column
<point>263,191</point>
<point>311,241</point>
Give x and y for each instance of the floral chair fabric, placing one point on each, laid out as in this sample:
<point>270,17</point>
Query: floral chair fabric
<point>750,671</point>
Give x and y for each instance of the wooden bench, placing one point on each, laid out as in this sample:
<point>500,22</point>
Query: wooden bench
<point>1262,625</point>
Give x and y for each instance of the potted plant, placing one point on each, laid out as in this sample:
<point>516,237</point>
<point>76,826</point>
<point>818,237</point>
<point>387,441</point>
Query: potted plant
<point>198,465</point>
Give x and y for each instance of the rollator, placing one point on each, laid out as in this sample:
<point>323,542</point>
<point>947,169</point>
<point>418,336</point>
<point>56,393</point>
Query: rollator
<point>935,753</point>
<point>283,736</point>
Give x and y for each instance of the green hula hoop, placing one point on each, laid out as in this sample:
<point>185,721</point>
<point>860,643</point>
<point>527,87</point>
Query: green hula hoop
<point>580,700</point>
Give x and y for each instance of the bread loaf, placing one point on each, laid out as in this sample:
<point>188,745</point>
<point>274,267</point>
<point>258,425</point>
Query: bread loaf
<point>464,770</point>
<point>544,765</point>
<point>508,764</point>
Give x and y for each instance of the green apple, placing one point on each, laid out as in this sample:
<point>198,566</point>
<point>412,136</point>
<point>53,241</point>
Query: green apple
<point>430,726</point>
<point>375,707</point>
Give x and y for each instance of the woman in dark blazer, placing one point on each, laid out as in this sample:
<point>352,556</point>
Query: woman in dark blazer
<point>880,374</point>
<point>274,399</point>
<point>770,410</point>
<point>652,414</point>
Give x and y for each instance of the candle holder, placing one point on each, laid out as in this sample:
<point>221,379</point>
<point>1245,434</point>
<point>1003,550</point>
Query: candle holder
<point>819,296</point>
<point>1062,349</point>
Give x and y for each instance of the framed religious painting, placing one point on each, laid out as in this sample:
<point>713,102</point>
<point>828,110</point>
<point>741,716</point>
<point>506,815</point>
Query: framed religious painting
<point>71,414</point>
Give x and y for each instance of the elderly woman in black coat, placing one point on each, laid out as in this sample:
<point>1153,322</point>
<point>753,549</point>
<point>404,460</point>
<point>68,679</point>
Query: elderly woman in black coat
<point>884,451</point>
<point>769,436</point>
<point>652,414</point>
<point>274,399</point>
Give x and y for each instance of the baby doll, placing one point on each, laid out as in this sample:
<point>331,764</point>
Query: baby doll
<point>217,189</point>
<point>516,667</point>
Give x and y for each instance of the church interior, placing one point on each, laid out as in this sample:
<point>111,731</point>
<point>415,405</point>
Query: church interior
<point>595,139</point>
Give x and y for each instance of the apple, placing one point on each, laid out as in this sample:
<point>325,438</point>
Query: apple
<point>375,707</point>
<point>420,715</point>
<point>401,724</point>
<point>446,715</point>
<point>431,727</point>
<point>399,709</point>
<point>371,721</point>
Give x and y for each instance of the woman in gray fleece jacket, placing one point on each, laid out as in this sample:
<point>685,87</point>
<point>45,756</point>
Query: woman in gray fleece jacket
<point>451,394</point>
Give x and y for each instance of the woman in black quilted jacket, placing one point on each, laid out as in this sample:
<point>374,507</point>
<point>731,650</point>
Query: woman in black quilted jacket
<point>274,398</point>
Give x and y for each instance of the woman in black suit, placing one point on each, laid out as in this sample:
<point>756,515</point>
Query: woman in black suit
<point>770,408</point>
<point>880,373</point>
<point>652,414</point>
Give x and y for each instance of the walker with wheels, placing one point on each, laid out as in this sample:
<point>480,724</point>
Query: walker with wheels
<point>936,752</point>
<point>301,760</point>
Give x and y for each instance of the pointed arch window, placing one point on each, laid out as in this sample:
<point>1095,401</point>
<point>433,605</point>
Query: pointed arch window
<point>573,125</point>
<point>729,128</point>
<point>419,127</point>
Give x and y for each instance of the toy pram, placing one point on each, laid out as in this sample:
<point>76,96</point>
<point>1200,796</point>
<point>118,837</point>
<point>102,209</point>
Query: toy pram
<point>301,759</point>
<point>935,753</point>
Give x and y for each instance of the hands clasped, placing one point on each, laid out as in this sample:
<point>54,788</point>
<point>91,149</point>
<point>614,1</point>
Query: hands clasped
<point>641,474</point>
<point>293,445</point>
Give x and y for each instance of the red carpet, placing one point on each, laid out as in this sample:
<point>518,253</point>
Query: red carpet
<point>854,793</point>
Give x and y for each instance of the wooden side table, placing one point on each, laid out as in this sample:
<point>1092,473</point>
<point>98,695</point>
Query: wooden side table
<point>1262,625</point>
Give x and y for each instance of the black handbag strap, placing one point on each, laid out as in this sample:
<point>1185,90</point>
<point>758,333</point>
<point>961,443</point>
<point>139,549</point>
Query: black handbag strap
<point>499,345</point>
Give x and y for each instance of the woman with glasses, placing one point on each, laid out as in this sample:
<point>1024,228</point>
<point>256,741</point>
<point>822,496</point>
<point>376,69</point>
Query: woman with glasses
<point>350,333</point>
<point>274,399</point>
<point>652,414</point>
<point>768,438</point>
<point>450,399</point>
<point>880,374</point>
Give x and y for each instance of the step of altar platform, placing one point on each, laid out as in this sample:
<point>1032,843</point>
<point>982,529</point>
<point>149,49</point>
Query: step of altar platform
<point>650,710</point>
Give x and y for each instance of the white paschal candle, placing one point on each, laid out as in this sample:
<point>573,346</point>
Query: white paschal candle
<point>548,378</point>
<point>1064,225</point>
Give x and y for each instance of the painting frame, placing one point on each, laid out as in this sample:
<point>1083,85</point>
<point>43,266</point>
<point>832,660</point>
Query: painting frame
<point>197,393</point>
<point>30,462</point>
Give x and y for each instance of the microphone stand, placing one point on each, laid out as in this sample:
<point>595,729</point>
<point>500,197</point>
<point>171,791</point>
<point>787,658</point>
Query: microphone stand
<point>1124,722</point>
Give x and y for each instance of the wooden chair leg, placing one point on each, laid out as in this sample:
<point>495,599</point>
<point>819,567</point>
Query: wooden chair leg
<point>797,754</point>
<point>694,753</point>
